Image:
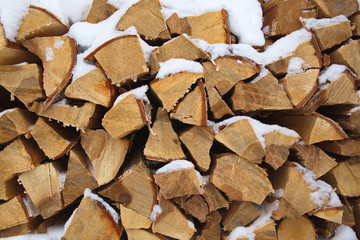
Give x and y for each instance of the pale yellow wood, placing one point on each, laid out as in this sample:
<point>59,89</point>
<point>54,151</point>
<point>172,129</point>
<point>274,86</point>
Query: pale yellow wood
<point>240,179</point>
<point>284,210</point>
<point>99,11</point>
<point>105,153</point>
<point>135,234</point>
<point>334,8</point>
<point>332,214</point>
<point>133,220</point>
<point>239,214</point>
<point>14,54</point>
<point>266,231</point>
<point>212,229</point>
<point>300,229</point>
<point>347,147</point>
<point>348,55</point>
<point>21,229</point>
<point>194,205</point>
<point>3,40</point>
<point>12,213</point>
<point>213,197</point>
<point>218,106</point>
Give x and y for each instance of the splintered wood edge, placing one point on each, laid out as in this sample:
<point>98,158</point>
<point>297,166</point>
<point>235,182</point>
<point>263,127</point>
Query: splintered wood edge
<point>334,124</point>
<point>315,43</point>
<point>324,209</point>
<point>203,102</point>
<point>226,26</point>
<point>3,34</point>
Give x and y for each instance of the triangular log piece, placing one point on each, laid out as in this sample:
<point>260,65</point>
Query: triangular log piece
<point>21,229</point>
<point>163,145</point>
<point>58,55</point>
<point>282,16</point>
<point>302,228</point>
<point>174,87</point>
<point>105,153</point>
<point>250,183</point>
<point>227,71</point>
<point>130,219</point>
<point>300,87</point>
<point>211,27</point>
<point>349,119</point>
<point>194,205</point>
<point>345,177</point>
<point>198,140</point>
<point>10,189</point>
<point>24,82</point>
<point>179,47</point>
<point>334,8</point>
<point>348,217</point>
<point>13,213</point>
<point>147,17</point>
<point>172,222</point>
<point>93,87</point>
<point>78,176</point>
<point>212,229</point>
<point>15,122</point>
<point>218,106</point>
<point>213,197</point>
<point>99,11</point>
<point>118,52</point>
<point>266,231</point>
<point>284,210</point>
<point>263,93</point>
<point>135,234</point>
<point>178,178</point>
<point>348,55</point>
<point>313,158</point>
<point>239,214</point>
<point>355,24</point>
<point>40,23</point>
<point>331,214</point>
<point>192,109</point>
<point>103,224</point>
<point>348,147</point>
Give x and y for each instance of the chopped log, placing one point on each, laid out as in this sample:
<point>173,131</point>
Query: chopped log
<point>133,220</point>
<point>21,229</point>
<point>263,93</point>
<point>355,24</point>
<point>212,229</point>
<point>105,153</point>
<point>300,87</point>
<point>331,9</point>
<point>165,145</point>
<point>192,109</point>
<point>348,55</point>
<point>228,71</point>
<point>58,55</point>
<point>348,119</point>
<point>10,188</point>
<point>266,231</point>
<point>13,213</point>
<point>40,23</point>
<point>239,214</point>
<point>135,234</point>
<point>15,122</point>
<point>282,16</point>
<point>172,222</point>
<point>169,176</point>
<point>348,215</point>
<point>326,228</point>
<point>198,140</point>
<point>3,39</point>
<point>250,183</point>
<point>213,197</point>
<point>93,87</point>
<point>194,205</point>
<point>179,47</point>
<point>24,82</point>
<point>121,51</point>
<point>174,87</point>
<point>313,158</point>
<point>347,147</point>
<point>211,27</point>
<point>331,214</point>
<point>218,106</point>
<point>346,177</point>
<point>301,229</point>
<point>284,210</point>
<point>99,11</point>
<point>146,16</point>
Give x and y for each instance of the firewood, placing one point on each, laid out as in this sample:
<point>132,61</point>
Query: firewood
<point>356,207</point>
<point>348,55</point>
<point>40,23</point>
<point>21,229</point>
<point>169,176</point>
<point>194,205</point>
<point>213,197</point>
<point>192,109</point>
<point>13,213</point>
<point>146,16</point>
<point>135,234</point>
<point>211,27</point>
<point>355,24</point>
<point>15,122</point>
<point>301,228</point>
<point>348,118</point>
<point>348,217</point>
<point>130,219</point>
<point>326,228</point>
<point>239,214</point>
<point>212,229</point>
<point>240,186</point>
<point>105,153</point>
<point>332,214</point>
<point>198,140</point>
<point>179,47</point>
<point>218,106</point>
<point>93,87</point>
<point>172,222</point>
<point>334,8</point>
<point>164,145</point>
<point>282,16</point>
<point>347,147</point>
<point>346,177</point>
<point>24,82</point>
<point>99,11</point>
<point>285,210</point>
<point>266,231</point>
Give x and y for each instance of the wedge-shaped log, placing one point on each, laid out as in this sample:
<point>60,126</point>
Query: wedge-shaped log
<point>301,229</point>
<point>135,234</point>
<point>40,23</point>
<point>58,55</point>
<point>348,55</point>
<point>24,82</point>
<point>212,229</point>
<point>13,213</point>
<point>331,214</point>
<point>164,145</point>
<point>22,229</point>
<point>355,24</point>
<point>146,16</point>
<point>130,219</point>
<point>250,183</point>
<point>349,119</point>
<point>218,106</point>
<point>211,27</point>
<point>348,147</point>
<point>93,87</point>
<point>105,153</point>
<point>99,11</point>
<point>172,222</point>
<point>179,171</point>
<point>331,9</point>
<point>239,214</point>
<point>213,197</point>
<point>179,47</point>
<point>194,205</point>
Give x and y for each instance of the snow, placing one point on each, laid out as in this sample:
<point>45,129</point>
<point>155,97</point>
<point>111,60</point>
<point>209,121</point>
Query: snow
<point>82,67</point>
<point>62,176</point>
<point>6,111</point>
<point>296,66</point>
<point>344,232</point>
<point>278,193</point>
<point>176,65</point>
<point>156,210</point>
<point>139,93</point>
<point>49,54</point>
<point>355,109</point>
<point>202,182</point>
<point>114,214</point>
<point>175,165</point>
<point>121,3</point>
<point>330,74</point>
<point>191,224</point>
<point>245,16</point>
<point>266,30</point>
<point>312,23</point>
<point>58,44</point>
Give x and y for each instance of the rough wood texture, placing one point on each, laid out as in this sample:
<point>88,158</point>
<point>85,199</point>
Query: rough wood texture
<point>133,220</point>
<point>213,197</point>
<point>331,214</point>
<point>333,8</point>
<point>194,205</point>
<point>135,234</point>
<point>12,213</point>
<point>99,11</point>
<point>146,16</point>
<point>348,121</point>
<point>218,106</point>
<point>24,82</point>
<point>301,229</point>
<point>355,24</point>
<point>239,214</point>
<point>105,153</point>
<point>348,55</point>
<point>240,179</point>
<point>93,87</point>
<point>179,47</point>
<point>174,87</point>
<point>347,147</point>
<point>165,145</point>
<point>21,229</point>
<point>212,229</point>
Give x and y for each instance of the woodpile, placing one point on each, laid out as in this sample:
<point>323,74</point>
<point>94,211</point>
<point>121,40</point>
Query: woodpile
<point>136,124</point>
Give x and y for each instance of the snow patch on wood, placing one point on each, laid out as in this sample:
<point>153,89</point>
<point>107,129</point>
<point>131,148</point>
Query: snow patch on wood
<point>6,111</point>
<point>156,210</point>
<point>330,74</point>
<point>49,54</point>
<point>312,23</point>
<point>344,232</point>
<point>175,165</point>
<point>176,65</point>
<point>139,93</point>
